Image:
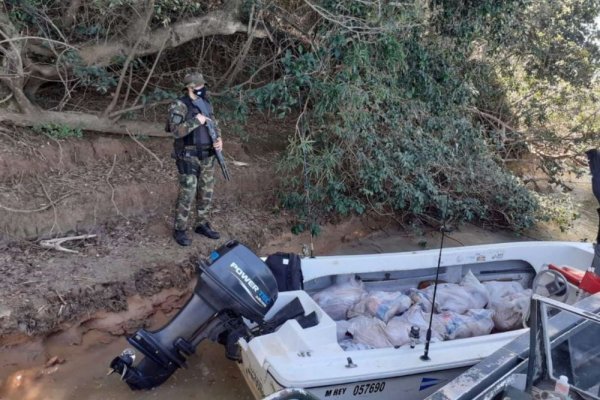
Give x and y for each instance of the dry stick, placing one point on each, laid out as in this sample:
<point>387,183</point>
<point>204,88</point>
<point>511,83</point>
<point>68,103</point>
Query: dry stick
<point>115,99</point>
<point>56,243</point>
<point>20,97</point>
<point>67,95</point>
<point>68,18</point>
<point>492,118</point>
<point>130,57</point>
<point>132,136</point>
<point>112,195</point>
<point>162,47</point>
<point>7,98</point>
<point>235,65</point>
<point>60,149</point>
<point>242,56</point>
<point>15,210</point>
<point>249,80</point>
<point>59,296</point>
<point>6,133</point>
<point>55,222</point>
<point>10,40</point>
<point>139,107</point>
<point>201,52</point>
<point>128,86</point>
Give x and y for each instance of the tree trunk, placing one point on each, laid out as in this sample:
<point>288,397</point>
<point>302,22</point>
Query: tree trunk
<point>88,122</point>
<point>213,23</point>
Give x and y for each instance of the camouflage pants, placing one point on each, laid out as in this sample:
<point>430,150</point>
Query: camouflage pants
<point>197,185</point>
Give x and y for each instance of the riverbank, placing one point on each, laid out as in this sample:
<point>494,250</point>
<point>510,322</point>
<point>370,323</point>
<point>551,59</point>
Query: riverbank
<point>64,316</point>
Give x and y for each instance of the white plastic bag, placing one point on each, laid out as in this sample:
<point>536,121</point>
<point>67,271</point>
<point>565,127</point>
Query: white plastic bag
<point>348,345</point>
<point>383,305</point>
<point>498,289</point>
<point>478,292</point>
<point>450,297</point>
<point>397,331</point>
<point>415,316</point>
<point>510,303</point>
<point>342,329</point>
<point>420,299</point>
<point>337,299</point>
<point>473,323</point>
<point>369,331</point>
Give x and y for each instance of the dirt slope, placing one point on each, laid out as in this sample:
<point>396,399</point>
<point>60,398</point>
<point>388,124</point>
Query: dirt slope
<point>123,191</point>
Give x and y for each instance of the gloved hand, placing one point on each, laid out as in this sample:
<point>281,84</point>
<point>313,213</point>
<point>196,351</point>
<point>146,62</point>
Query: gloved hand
<point>593,156</point>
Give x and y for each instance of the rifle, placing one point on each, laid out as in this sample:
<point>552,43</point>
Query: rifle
<point>201,105</point>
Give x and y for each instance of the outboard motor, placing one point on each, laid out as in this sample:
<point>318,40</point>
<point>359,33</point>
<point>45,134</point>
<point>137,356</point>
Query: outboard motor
<point>235,284</point>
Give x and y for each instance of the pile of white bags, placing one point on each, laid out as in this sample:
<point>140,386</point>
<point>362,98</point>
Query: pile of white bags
<point>383,305</point>
<point>510,303</point>
<point>337,299</point>
<point>379,319</point>
<point>469,294</point>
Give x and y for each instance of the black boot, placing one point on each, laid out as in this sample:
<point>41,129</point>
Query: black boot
<point>181,238</point>
<point>206,230</point>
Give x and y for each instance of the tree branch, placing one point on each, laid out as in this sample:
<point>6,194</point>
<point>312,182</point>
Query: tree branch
<point>493,118</point>
<point>139,32</point>
<point>11,67</point>
<point>149,75</point>
<point>117,114</point>
<point>214,23</point>
<point>71,14</point>
<point>236,65</point>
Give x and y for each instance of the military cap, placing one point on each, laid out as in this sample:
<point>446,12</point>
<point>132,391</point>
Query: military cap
<point>193,79</point>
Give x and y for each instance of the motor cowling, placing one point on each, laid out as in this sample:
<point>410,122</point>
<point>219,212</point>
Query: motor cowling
<point>232,284</point>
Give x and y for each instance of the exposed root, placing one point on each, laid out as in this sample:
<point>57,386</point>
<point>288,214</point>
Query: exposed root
<point>132,136</point>
<point>112,188</point>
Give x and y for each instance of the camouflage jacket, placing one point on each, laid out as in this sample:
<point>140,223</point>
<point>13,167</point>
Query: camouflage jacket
<point>179,126</point>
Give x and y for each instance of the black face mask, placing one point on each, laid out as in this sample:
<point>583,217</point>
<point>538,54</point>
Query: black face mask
<point>200,92</point>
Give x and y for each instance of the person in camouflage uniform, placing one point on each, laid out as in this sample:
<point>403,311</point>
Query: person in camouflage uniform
<point>195,159</point>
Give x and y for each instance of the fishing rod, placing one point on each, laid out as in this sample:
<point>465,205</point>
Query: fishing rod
<point>303,129</point>
<point>443,229</point>
<point>307,205</point>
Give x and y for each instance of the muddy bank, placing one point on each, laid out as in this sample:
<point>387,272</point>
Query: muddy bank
<point>122,190</point>
<point>70,360</point>
<point>63,316</point>
<point>72,364</point>
<point>51,189</point>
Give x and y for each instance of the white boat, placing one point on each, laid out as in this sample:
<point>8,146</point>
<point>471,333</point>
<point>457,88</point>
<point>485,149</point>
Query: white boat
<point>313,360</point>
<point>241,301</point>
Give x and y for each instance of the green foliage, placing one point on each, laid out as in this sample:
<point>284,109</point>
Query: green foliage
<point>167,11</point>
<point>158,94</point>
<point>559,209</point>
<point>58,131</point>
<point>541,78</point>
<point>407,107</point>
<point>23,13</point>
<point>97,77</point>
<point>387,121</point>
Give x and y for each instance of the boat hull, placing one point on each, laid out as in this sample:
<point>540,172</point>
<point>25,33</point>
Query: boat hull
<point>409,387</point>
<point>312,359</point>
